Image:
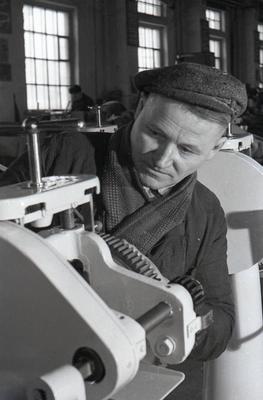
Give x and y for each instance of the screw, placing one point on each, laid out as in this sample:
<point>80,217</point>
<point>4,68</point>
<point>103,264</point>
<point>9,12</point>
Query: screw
<point>165,346</point>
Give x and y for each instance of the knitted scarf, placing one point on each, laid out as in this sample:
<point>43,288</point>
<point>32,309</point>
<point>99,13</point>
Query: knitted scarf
<point>129,213</point>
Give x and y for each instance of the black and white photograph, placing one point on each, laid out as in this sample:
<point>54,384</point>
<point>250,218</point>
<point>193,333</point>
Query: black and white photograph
<point>131,199</point>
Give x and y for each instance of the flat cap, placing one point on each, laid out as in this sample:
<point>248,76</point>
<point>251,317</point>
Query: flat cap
<point>196,84</point>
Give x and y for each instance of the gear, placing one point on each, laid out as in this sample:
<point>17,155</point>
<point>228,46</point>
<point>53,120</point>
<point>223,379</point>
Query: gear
<point>130,257</point>
<point>194,287</point>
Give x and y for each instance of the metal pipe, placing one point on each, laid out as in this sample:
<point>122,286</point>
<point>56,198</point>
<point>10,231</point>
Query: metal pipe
<point>57,124</point>
<point>98,115</point>
<point>34,158</point>
<point>155,316</point>
<point>68,219</point>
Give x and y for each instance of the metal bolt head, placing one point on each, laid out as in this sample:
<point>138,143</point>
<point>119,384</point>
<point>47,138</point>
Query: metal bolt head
<point>165,346</point>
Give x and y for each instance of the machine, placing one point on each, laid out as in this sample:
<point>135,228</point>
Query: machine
<point>237,179</point>
<point>83,315</point>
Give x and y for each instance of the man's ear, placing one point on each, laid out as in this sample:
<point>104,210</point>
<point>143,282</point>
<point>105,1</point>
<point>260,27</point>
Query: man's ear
<point>218,146</point>
<point>140,104</point>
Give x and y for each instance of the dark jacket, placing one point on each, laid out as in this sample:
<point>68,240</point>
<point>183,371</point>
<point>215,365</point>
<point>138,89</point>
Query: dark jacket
<point>83,103</point>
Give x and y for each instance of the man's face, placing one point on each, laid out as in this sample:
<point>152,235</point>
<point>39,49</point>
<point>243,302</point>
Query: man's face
<point>169,142</point>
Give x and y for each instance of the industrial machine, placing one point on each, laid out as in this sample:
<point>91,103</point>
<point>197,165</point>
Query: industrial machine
<point>83,315</point>
<point>237,180</point>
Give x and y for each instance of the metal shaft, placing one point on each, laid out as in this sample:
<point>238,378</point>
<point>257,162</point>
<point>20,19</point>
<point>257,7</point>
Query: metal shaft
<point>155,316</point>
<point>98,115</point>
<point>68,219</point>
<point>34,159</point>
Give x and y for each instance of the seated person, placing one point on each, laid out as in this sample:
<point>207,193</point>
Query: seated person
<point>114,112</point>
<point>79,100</point>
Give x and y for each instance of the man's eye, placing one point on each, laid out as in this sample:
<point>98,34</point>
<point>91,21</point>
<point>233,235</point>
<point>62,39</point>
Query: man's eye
<point>154,133</point>
<point>184,149</point>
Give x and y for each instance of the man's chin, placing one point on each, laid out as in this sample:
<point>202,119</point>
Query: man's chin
<point>153,183</point>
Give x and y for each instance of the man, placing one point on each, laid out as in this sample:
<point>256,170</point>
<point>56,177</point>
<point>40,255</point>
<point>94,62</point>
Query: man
<point>79,100</point>
<point>149,192</point>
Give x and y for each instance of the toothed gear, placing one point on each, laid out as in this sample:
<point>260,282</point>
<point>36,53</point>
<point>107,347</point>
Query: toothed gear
<point>193,286</point>
<point>131,258</point>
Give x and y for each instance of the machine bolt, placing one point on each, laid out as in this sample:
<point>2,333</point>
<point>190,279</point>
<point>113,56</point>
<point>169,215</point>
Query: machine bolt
<point>165,346</point>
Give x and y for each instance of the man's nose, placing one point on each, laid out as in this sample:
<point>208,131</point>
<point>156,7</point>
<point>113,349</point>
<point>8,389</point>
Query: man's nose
<point>166,155</point>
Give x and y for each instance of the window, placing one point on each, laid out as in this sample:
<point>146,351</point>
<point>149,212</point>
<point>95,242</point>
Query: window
<point>152,34</point>
<point>215,46</point>
<point>260,36</point>
<point>217,36</point>
<point>47,58</point>
<point>149,51</point>
<point>260,31</point>
<point>215,19</point>
<point>151,7</point>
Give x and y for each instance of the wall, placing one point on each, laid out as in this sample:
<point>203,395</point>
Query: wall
<point>247,52</point>
<point>16,86</point>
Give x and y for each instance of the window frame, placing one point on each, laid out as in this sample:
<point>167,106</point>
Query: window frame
<point>160,23</point>
<point>162,6</point>
<point>160,29</point>
<point>219,35</point>
<point>260,51</point>
<point>70,11</point>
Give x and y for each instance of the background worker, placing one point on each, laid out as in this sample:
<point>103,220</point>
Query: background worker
<point>79,100</point>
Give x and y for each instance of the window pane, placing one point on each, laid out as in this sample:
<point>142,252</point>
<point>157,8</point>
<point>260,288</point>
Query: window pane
<point>217,63</point>
<point>141,37</point>
<point>29,44</point>
<point>141,58</point>
<point>260,30</point>
<point>214,19</point>
<point>51,22</point>
<point>214,46</point>
<point>39,19</point>
<point>156,39</point>
<point>149,58</point>
<point>64,73</point>
<point>31,97</point>
<point>65,98</point>
<point>40,45</point>
<point>63,24</point>
<point>157,59</point>
<point>52,47</point>
<point>30,71</point>
<point>28,18</point>
<point>151,7</point>
<point>63,49</point>
<point>217,49</point>
<point>41,71</point>
<point>54,95</point>
<point>53,72</point>
<point>148,38</point>
<point>261,56</point>
<point>42,97</point>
